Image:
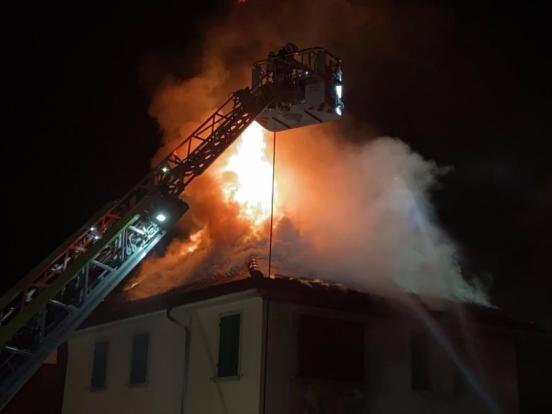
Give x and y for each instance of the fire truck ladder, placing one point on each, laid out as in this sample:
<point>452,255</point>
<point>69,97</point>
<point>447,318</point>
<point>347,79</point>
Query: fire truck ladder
<point>44,307</point>
<point>56,297</point>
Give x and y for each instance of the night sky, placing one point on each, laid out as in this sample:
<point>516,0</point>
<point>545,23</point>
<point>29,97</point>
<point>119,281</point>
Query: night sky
<point>77,131</point>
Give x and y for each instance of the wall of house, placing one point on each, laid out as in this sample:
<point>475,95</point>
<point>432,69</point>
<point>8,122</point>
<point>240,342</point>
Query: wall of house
<point>385,358</point>
<point>207,394</point>
<point>166,390</point>
<point>286,391</point>
<point>162,391</point>
<point>387,385</point>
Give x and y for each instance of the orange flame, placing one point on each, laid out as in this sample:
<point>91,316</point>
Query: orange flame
<point>193,243</point>
<point>250,171</point>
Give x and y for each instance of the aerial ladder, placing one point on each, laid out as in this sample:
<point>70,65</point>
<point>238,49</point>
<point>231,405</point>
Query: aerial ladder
<point>290,89</point>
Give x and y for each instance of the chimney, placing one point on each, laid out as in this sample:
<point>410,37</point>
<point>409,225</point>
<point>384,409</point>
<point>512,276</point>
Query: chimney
<point>253,267</point>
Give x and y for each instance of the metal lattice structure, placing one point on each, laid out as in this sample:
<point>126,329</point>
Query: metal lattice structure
<point>295,64</point>
<point>40,311</point>
<point>312,92</point>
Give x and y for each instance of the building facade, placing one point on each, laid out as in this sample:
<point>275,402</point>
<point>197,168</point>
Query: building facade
<point>283,345</point>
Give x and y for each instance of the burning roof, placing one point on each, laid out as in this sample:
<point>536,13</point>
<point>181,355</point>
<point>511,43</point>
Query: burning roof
<point>314,292</point>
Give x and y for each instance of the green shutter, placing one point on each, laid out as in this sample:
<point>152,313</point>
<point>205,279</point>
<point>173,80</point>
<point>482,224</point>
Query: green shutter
<point>99,366</point>
<point>229,346</point>
<point>139,362</point>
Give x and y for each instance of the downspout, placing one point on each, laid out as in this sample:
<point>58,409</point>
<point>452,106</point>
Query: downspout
<point>187,343</point>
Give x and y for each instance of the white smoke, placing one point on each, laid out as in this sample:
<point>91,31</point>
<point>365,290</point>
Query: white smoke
<point>361,215</point>
<point>356,213</point>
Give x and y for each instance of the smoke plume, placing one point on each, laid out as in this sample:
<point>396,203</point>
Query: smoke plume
<point>350,207</point>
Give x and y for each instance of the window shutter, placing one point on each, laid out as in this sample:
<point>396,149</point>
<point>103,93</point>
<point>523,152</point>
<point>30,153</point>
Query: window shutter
<point>229,346</point>
<point>139,362</point>
<point>99,365</point>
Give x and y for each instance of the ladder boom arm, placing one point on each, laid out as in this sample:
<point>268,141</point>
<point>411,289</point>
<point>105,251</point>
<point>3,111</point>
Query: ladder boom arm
<point>56,293</point>
<point>54,298</point>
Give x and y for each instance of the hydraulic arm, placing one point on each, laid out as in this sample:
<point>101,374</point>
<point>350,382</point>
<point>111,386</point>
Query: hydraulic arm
<point>41,310</point>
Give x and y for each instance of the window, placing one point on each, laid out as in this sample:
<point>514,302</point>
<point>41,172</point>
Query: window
<point>419,360</point>
<point>139,361</point>
<point>99,365</point>
<point>330,349</point>
<point>229,346</point>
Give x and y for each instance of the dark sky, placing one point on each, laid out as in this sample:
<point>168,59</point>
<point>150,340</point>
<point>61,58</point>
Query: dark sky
<point>77,133</point>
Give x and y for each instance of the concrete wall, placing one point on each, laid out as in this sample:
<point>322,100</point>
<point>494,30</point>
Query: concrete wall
<point>163,391</point>
<point>207,394</point>
<point>387,386</point>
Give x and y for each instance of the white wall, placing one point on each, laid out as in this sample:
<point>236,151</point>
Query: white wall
<point>207,394</point>
<point>387,363</point>
<point>162,391</point>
